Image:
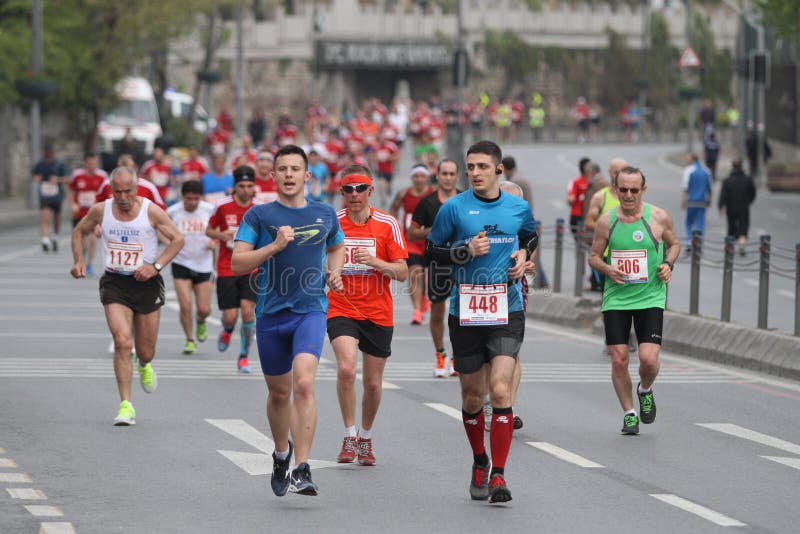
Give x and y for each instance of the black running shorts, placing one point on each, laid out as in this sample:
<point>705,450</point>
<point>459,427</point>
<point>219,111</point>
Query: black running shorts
<point>372,338</point>
<point>141,297</point>
<point>415,259</point>
<point>180,272</point>
<point>232,290</point>
<point>475,345</point>
<point>647,323</point>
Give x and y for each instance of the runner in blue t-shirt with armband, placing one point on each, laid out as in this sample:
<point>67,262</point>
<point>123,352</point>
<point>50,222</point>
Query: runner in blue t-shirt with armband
<point>488,237</point>
<point>296,244</point>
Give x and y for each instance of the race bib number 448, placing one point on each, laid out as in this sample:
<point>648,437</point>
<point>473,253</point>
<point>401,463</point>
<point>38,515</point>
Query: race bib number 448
<point>482,304</point>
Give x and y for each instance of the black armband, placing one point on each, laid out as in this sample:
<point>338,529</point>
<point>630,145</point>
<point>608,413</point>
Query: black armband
<point>529,244</point>
<point>446,255</point>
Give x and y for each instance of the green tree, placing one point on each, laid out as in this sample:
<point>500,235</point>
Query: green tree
<point>617,82</point>
<point>783,18</point>
<point>716,70</point>
<point>662,70</point>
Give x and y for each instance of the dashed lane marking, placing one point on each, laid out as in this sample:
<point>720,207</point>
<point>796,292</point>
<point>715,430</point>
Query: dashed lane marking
<point>791,462</point>
<point>8,463</point>
<point>445,409</point>
<point>56,528</point>
<point>701,511</point>
<point>15,478</point>
<point>752,435</point>
<point>563,454</point>
<point>40,510</point>
<point>27,494</point>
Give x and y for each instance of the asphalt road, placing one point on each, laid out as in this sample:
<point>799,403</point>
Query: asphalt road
<point>724,452</point>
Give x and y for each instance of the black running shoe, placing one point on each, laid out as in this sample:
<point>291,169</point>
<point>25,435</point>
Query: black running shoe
<point>280,473</point>
<point>498,491</point>
<point>300,481</point>
<point>517,422</point>
<point>55,245</point>
<point>647,406</point>
<point>630,424</point>
<point>479,483</point>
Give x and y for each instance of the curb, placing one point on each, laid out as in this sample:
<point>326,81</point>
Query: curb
<point>698,337</point>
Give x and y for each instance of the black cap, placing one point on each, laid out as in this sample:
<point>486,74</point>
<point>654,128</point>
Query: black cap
<point>244,173</point>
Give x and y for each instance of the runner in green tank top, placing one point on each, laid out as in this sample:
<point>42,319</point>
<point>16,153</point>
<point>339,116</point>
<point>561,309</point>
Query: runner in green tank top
<point>642,248</point>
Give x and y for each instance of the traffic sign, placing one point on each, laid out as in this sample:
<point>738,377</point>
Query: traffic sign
<point>689,58</point>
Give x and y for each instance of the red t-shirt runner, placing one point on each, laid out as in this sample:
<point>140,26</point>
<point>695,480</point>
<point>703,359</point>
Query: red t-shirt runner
<point>228,214</point>
<point>367,293</point>
<point>410,201</point>
<point>158,173</point>
<point>84,186</point>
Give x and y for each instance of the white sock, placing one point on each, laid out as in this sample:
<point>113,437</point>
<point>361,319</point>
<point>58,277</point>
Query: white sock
<point>282,455</point>
<point>350,431</point>
<point>364,434</point>
<point>640,389</point>
<point>631,412</point>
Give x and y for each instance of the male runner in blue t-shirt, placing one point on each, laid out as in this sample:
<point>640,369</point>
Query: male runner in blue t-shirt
<point>293,242</point>
<point>488,236</point>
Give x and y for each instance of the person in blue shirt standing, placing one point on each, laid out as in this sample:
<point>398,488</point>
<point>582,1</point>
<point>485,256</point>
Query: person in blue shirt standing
<point>218,183</point>
<point>319,175</point>
<point>696,197</point>
<point>487,236</point>
<point>296,244</point>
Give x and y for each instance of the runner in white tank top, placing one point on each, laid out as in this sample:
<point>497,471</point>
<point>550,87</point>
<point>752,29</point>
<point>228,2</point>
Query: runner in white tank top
<point>131,289</point>
<point>193,267</point>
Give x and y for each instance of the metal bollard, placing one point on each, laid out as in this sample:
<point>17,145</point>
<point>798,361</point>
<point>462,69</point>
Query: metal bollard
<point>797,290</point>
<point>763,281</point>
<point>694,285</point>
<point>727,279</point>
<point>580,263</point>
<point>559,253</point>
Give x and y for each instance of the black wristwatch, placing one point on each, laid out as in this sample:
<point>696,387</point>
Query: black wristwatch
<point>158,266</point>
<point>669,264</point>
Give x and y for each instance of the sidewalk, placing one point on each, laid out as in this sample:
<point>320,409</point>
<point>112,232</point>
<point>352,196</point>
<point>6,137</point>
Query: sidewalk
<point>15,214</point>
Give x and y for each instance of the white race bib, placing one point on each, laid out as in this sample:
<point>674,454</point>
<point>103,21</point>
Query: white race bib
<point>480,305</point>
<point>86,199</point>
<point>350,245</point>
<point>124,257</point>
<point>633,263</point>
<point>48,189</point>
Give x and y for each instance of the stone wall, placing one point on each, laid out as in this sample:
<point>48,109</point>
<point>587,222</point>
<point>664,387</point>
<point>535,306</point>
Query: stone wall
<point>15,157</point>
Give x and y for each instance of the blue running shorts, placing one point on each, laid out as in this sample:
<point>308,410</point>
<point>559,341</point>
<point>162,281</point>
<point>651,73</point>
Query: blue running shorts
<point>283,335</point>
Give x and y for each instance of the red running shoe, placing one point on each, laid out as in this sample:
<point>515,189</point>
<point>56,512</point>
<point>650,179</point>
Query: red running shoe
<point>498,491</point>
<point>365,454</point>
<point>348,453</point>
<point>479,484</point>
<point>417,317</point>
<point>224,340</point>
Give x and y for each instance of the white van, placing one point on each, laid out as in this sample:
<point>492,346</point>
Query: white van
<point>137,110</point>
<point>178,105</point>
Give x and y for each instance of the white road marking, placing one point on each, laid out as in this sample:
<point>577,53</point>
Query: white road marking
<point>445,409</point>
<point>791,462</point>
<point>751,435</point>
<point>664,162</point>
<point>686,361</point>
<point>563,454</point>
<point>56,528</point>
<point>27,494</point>
<point>698,510</point>
<point>7,463</point>
<point>241,430</point>
<point>41,510</point>
<point>785,293</point>
<point>13,478</point>
<point>253,463</point>
<point>19,253</point>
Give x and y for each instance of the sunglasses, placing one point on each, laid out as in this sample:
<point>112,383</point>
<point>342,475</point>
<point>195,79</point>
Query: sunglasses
<point>355,188</point>
<point>631,190</point>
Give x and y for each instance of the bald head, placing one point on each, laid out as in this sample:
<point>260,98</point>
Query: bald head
<point>511,188</point>
<point>616,165</point>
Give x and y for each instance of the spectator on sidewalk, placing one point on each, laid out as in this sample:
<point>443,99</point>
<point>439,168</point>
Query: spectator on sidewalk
<point>737,194</point>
